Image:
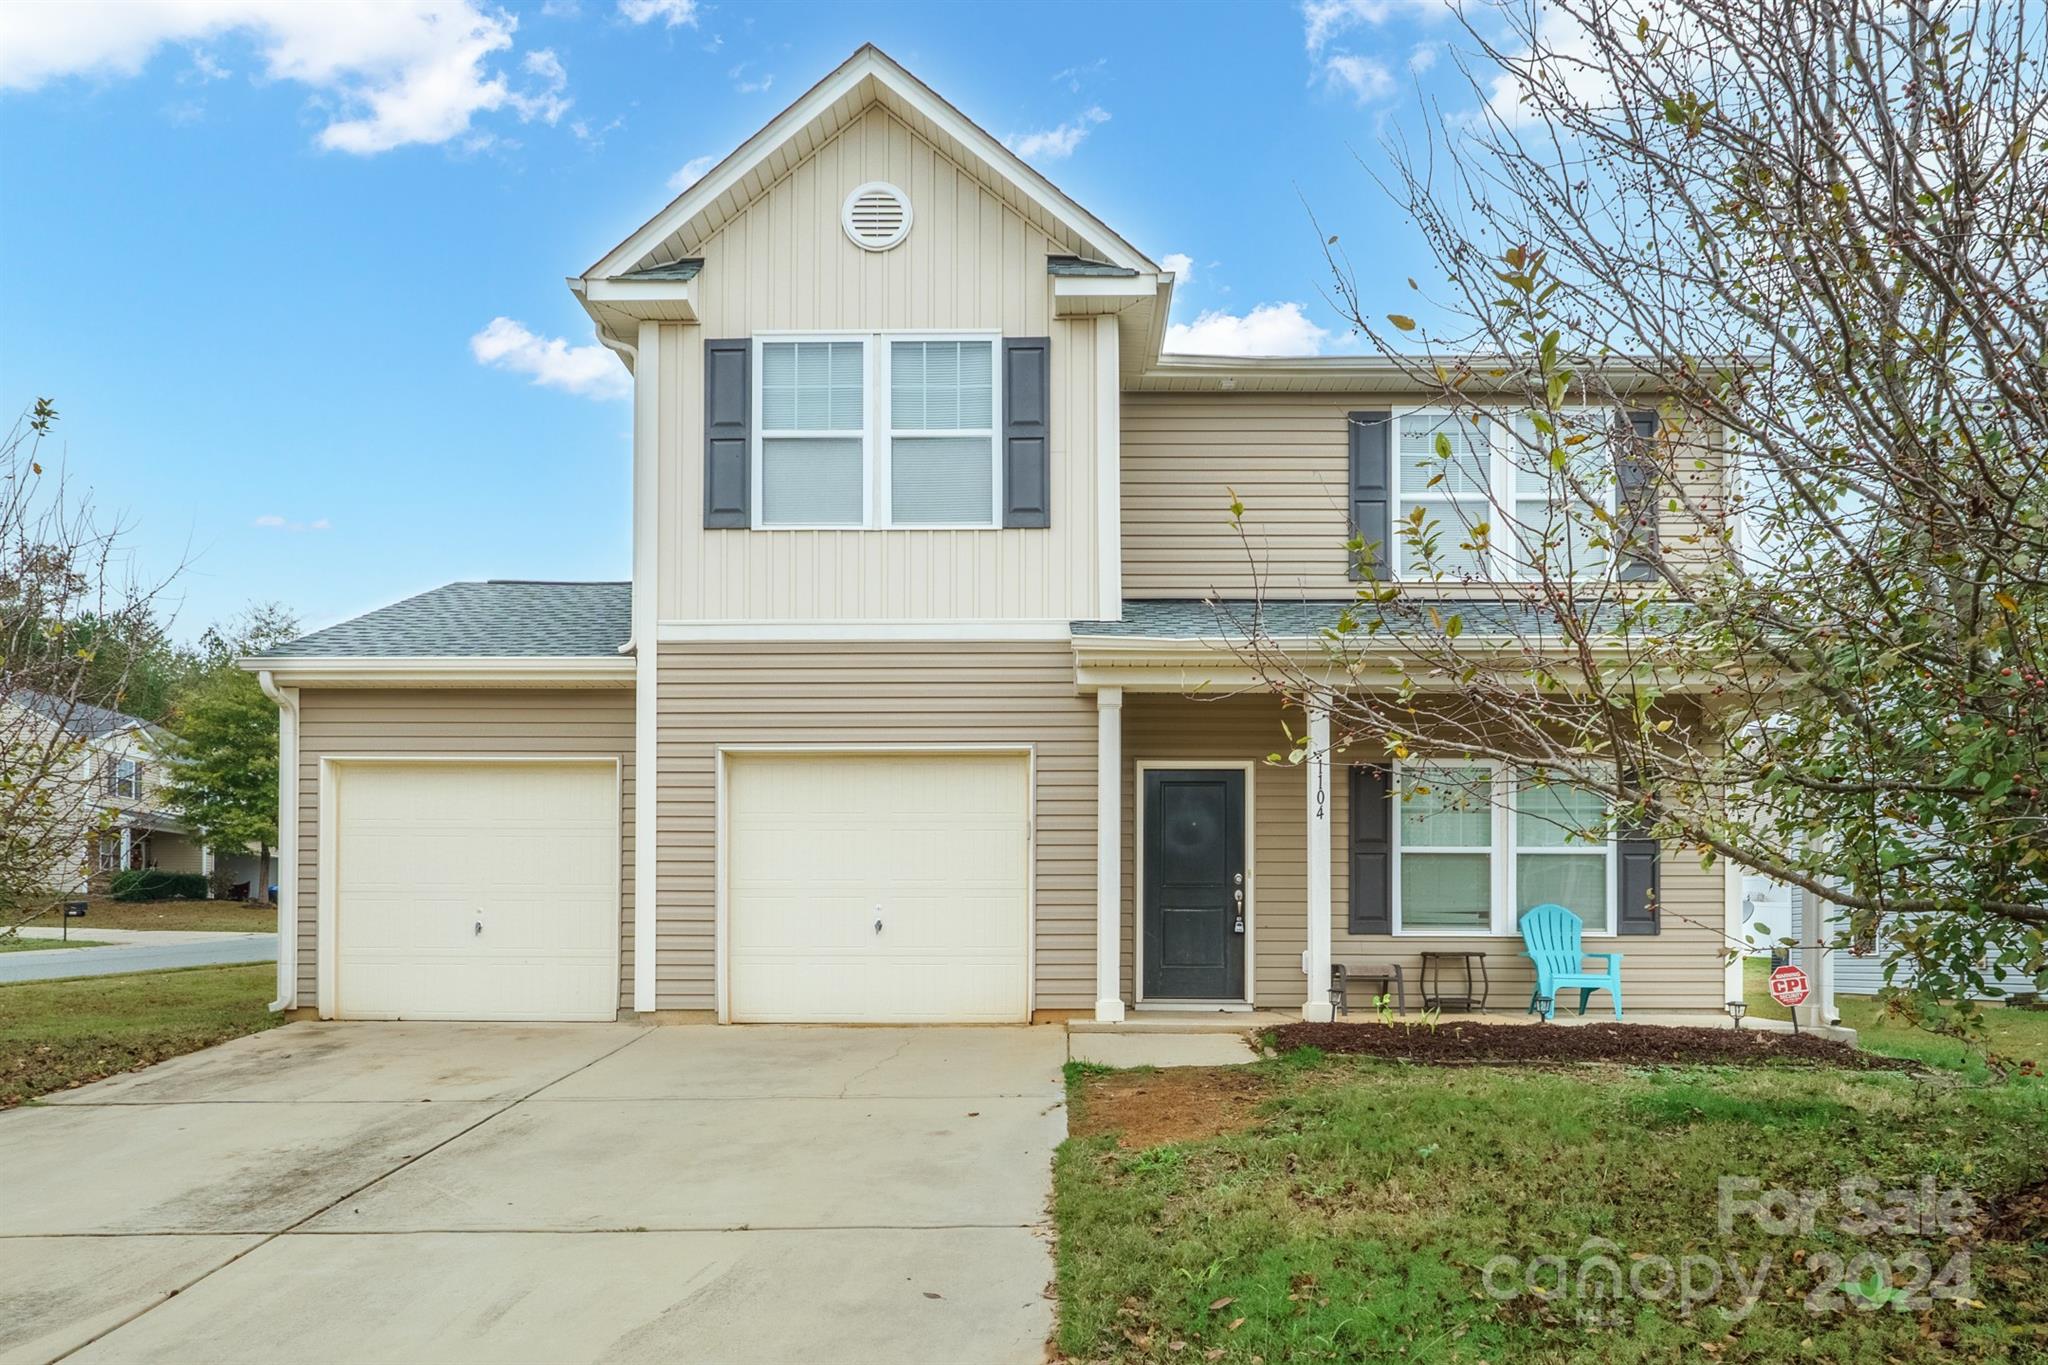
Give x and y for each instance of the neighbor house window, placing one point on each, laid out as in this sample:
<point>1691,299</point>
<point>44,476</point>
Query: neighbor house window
<point>1475,848</point>
<point>124,778</point>
<point>876,431</point>
<point>1484,488</point>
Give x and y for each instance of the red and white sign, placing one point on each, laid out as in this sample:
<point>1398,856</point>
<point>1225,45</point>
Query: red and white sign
<point>1789,985</point>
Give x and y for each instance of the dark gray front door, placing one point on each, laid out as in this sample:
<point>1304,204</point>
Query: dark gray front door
<point>1194,884</point>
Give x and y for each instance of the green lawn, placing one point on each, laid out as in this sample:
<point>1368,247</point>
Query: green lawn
<point>58,1034</point>
<point>1356,1215</point>
<point>2008,1033</point>
<point>221,916</point>
<point>30,945</point>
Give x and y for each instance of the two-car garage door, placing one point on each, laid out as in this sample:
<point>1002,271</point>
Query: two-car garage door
<point>858,887</point>
<point>878,888</point>
<point>486,890</point>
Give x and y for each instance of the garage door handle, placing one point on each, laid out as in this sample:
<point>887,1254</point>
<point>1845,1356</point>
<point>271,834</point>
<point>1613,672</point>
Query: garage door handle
<point>479,926</point>
<point>878,924</point>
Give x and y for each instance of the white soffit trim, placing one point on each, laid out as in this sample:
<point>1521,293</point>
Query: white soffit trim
<point>815,104</point>
<point>535,671</point>
<point>694,632</point>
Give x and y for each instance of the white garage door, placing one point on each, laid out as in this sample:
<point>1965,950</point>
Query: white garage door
<point>476,890</point>
<point>821,848</point>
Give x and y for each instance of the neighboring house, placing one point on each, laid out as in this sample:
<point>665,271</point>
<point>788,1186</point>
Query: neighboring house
<point>122,760</point>
<point>1858,967</point>
<point>894,720</point>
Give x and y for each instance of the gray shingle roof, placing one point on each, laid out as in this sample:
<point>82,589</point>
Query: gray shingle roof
<point>1081,265</point>
<point>502,618</point>
<point>1207,619</point>
<point>685,269</point>
<point>80,718</point>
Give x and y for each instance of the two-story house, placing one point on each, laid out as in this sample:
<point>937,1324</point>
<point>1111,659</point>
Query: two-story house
<point>913,709</point>
<point>106,780</point>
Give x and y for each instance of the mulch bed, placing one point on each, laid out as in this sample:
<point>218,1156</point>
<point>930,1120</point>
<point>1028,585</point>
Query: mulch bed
<point>1452,1042</point>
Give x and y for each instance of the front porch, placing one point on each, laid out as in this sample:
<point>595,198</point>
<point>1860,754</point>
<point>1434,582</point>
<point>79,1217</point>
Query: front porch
<point>1225,884</point>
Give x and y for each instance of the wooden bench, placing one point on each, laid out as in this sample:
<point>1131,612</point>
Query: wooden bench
<point>1388,974</point>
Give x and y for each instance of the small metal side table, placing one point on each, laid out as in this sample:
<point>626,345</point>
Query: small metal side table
<point>1458,990</point>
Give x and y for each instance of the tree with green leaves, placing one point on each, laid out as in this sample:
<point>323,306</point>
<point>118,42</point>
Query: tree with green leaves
<point>1812,238</point>
<point>222,776</point>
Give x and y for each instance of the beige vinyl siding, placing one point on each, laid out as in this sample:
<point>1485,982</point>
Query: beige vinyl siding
<point>339,722</point>
<point>1287,458</point>
<point>875,695</point>
<point>176,853</point>
<point>970,263</point>
<point>1678,969</point>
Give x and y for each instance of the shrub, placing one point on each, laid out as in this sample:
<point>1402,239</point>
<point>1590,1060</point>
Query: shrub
<point>149,884</point>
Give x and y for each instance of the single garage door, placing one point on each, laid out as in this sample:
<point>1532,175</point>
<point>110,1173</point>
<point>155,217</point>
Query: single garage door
<point>878,888</point>
<point>476,890</point>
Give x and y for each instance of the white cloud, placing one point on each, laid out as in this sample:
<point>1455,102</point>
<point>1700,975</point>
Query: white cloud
<point>1053,144</point>
<point>670,12</point>
<point>1073,76</point>
<point>1322,20</point>
<point>277,523</point>
<point>1181,264</point>
<point>386,73</point>
<point>1269,329</point>
<point>690,172</point>
<point>747,85</point>
<point>1363,78</point>
<point>1422,58</point>
<point>553,363</point>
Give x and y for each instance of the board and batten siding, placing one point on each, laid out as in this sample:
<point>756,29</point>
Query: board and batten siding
<point>875,695</point>
<point>1286,457</point>
<point>499,721</point>
<point>970,263</point>
<point>1678,969</point>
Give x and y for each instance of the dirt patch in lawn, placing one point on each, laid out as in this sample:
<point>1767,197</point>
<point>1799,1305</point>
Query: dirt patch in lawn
<point>1148,1108</point>
<point>2021,1217</point>
<point>1451,1043</point>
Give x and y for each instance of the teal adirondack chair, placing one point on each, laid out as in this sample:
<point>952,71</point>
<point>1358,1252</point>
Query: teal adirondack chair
<point>1551,938</point>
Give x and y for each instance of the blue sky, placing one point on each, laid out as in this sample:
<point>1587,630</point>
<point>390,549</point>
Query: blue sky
<point>259,251</point>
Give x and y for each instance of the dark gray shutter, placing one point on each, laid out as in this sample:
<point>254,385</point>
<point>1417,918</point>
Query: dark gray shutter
<point>1372,849</point>
<point>1639,884</point>
<point>1027,428</point>
<point>1635,478</point>
<point>1372,469</point>
<point>728,410</point>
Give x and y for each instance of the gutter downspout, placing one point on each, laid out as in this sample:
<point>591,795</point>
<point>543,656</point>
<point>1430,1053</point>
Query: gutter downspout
<point>287,700</point>
<point>646,366</point>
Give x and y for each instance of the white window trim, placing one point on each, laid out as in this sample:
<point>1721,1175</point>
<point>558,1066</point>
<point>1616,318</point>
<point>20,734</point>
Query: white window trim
<point>757,372</point>
<point>878,432</point>
<point>128,785</point>
<point>1499,499</point>
<point>1503,849</point>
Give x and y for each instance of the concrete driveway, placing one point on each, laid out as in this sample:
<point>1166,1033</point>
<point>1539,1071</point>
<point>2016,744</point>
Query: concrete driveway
<point>450,1192</point>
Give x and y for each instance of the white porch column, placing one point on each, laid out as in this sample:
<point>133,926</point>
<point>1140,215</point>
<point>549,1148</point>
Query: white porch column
<point>1316,961</point>
<point>1817,935</point>
<point>646,664</point>
<point>1109,843</point>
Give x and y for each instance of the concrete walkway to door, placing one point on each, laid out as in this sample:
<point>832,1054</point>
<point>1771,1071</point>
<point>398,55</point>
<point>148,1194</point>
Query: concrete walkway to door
<point>457,1192</point>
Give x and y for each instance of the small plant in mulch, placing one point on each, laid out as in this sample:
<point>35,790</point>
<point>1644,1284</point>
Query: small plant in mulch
<point>1452,1043</point>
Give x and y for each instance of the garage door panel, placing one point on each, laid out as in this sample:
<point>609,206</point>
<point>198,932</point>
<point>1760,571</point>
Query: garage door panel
<point>427,852</point>
<point>819,846</point>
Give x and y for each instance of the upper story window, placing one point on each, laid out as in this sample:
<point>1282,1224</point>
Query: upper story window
<point>876,430</point>
<point>124,779</point>
<point>1494,501</point>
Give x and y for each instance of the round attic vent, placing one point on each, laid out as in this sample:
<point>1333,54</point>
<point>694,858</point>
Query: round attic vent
<point>877,216</point>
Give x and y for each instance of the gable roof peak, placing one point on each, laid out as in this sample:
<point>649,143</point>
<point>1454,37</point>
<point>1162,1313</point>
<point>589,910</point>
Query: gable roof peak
<point>869,76</point>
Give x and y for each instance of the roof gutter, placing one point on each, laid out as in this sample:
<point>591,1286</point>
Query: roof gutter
<point>580,670</point>
<point>287,700</point>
